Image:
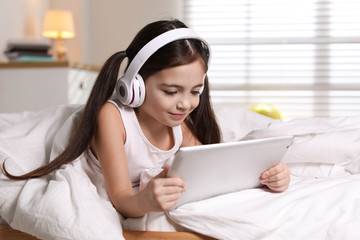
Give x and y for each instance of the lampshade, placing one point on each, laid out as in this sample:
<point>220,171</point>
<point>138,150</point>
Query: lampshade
<point>58,24</point>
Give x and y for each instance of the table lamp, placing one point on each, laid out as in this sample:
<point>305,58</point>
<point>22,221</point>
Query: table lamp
<point>59,24</point>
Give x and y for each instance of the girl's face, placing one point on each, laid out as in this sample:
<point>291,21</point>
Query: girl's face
<point>172,94</point>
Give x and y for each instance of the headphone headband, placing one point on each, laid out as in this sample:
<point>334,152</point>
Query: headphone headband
<point>151,47</point>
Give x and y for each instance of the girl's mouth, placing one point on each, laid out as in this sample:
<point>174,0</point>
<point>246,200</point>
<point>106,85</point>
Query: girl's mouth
<point>178,115</point>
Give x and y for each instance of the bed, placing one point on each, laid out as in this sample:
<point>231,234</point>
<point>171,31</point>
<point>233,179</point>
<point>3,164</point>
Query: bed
<point>7,233</point>
<point>322,202</point>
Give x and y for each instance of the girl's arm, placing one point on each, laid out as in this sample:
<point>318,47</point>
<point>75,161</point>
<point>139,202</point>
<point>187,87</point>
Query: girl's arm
<point>108,145</point>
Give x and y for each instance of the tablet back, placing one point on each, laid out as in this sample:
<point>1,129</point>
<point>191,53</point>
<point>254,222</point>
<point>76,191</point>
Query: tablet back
<point>215,169</point>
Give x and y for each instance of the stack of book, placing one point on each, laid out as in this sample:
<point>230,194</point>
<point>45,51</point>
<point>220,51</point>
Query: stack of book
<point>23,50</point>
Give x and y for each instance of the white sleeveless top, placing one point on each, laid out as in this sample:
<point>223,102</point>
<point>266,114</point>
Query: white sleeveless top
<point>140,153</point>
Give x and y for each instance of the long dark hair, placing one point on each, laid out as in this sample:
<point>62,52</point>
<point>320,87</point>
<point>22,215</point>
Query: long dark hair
<point>201,122</point>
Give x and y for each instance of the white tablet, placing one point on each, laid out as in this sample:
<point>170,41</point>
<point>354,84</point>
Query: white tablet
<point>215,169</point>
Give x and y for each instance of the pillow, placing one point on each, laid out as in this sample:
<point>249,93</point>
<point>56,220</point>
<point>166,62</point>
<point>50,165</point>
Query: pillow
<point>235,123</point>
<point>319,140</point>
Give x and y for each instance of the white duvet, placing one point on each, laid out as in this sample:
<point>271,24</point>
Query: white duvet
<point>322,202</point>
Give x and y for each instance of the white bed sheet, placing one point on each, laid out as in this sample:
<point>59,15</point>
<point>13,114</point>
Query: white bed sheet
<point>323,201</point>
<point>310,209</point>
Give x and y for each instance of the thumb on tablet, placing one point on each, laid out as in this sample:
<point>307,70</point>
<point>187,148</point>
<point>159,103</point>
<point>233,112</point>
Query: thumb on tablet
<point>164,172</point>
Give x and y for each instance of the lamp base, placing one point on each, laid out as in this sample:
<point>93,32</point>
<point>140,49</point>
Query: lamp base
<point>60,52</point>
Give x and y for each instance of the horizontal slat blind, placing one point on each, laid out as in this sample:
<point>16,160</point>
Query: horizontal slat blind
<point>301,56</point>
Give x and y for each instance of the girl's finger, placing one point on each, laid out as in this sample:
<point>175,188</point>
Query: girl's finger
<point>274,170</point>
<point>275,178</point>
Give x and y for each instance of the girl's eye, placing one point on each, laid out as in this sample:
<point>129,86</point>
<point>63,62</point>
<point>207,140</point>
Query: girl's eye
<point>196,92</point>
<point>169,92</point>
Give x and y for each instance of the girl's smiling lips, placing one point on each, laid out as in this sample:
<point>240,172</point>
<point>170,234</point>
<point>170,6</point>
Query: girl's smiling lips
<point>178,115</point>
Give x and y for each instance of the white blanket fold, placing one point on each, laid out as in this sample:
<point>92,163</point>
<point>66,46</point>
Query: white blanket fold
<point>62,205</point>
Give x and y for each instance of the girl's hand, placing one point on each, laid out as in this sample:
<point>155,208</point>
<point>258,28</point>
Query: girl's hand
<point>162,193</point>
<point>277,178</point>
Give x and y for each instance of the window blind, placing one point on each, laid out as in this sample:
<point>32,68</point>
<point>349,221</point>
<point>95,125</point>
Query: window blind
<point>303,57</point>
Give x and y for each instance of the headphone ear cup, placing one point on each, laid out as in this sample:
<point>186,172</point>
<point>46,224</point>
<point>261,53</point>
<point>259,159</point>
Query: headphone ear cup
<point>203,86</point>
<point>123,93</point>
<point>132,96</point>
<point>138,91</point>
<point>201,89</point>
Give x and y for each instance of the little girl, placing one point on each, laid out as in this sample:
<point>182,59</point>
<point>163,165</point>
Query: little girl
<point>161,103</point>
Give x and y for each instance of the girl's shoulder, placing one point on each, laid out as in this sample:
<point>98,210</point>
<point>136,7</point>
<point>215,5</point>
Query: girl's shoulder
<point>110,115</point>
<point>109,128</point>
<point>109,109</point>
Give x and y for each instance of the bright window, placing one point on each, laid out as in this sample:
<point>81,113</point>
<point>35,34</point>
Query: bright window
<point>301,56</point>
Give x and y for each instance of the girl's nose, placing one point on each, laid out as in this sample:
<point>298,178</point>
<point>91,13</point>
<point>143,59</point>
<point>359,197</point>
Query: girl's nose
<point>183,103</point>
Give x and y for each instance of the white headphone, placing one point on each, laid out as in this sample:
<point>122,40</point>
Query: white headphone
<point>130,88</point>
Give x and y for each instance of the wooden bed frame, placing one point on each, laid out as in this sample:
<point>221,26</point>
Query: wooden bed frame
<point>7,233</point>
